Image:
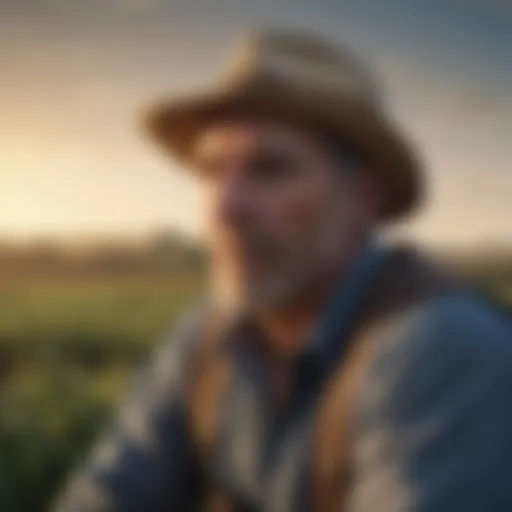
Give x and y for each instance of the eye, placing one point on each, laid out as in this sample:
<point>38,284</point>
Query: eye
<point>272,166</point>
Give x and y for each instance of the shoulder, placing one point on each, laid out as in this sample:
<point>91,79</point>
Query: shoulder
<point>174,354</point>
<point>461,325</point>
<point>455,346</point>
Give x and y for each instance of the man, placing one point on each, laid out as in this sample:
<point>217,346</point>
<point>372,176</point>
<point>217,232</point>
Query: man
<point>328,372</point>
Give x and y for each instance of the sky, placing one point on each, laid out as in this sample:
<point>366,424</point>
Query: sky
<point>76,75</point>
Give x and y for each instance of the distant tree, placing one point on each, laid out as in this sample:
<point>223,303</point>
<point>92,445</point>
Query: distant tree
<point>171,249</point>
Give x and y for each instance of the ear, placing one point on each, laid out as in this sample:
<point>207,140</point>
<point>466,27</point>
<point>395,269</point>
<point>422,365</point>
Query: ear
<point>373,193</point>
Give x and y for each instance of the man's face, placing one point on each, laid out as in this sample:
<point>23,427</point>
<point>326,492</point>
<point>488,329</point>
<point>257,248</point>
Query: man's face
<point>281,209</point>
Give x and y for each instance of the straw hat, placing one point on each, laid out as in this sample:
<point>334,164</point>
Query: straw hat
<point>300,77</point>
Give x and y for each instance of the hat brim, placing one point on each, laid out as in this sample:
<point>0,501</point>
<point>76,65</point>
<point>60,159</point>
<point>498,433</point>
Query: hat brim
<point>175,125</point>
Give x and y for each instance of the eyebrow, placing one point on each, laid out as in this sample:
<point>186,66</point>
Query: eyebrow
<point>343,151</point>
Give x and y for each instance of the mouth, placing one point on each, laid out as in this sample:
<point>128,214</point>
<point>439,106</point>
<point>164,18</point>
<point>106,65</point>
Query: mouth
<point>250,258</point>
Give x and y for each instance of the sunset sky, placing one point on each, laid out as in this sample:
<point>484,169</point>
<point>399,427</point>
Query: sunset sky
<point>76,73</point>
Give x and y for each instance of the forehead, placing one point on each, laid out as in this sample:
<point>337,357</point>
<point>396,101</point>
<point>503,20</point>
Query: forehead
<point>242,135</point>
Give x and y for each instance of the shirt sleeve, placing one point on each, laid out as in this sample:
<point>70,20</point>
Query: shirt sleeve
<point>146,460</point>
<point>434,419</point>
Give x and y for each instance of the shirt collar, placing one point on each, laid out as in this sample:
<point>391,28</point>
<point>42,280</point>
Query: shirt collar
<point>334,321</point>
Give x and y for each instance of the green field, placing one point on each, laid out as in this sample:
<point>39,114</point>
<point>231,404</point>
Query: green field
<point>68,348</point>
<point>67,351</point>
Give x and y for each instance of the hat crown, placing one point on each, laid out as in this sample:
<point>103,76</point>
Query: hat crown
<point>301,61</point>
<point>301,78</point>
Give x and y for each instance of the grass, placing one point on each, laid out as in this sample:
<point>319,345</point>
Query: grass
<point>67,349</point>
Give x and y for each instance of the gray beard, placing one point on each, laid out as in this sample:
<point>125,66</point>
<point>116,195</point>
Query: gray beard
<point>330,248</point>
<point>274,292</point>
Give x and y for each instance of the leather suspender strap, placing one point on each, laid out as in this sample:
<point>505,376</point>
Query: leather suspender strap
<point>405,282</point>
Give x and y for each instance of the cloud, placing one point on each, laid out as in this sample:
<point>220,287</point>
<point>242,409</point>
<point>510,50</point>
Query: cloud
<point>457,102</point>
<point>498,6</point>
<point>475,102</point>
<point>136,5</point>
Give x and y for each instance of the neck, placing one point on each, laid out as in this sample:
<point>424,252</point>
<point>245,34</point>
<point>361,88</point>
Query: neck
<point>288,324</point>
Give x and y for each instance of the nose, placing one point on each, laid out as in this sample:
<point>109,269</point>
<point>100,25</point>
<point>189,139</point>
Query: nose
<point>234,201</point>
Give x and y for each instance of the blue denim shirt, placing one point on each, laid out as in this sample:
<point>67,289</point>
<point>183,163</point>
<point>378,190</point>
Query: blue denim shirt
<point>265,450</point>
<point>433,425</point>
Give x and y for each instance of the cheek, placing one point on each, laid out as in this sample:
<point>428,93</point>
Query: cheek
<point>208,207</point>
<point>214,228</point>
<point>299,211</point>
